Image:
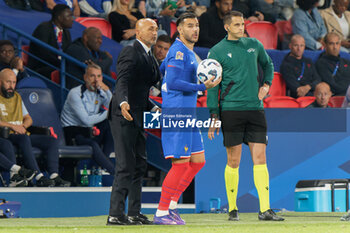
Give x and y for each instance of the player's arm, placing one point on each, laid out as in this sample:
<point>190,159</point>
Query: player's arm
<point>213,102</point>
<point>267,67</point>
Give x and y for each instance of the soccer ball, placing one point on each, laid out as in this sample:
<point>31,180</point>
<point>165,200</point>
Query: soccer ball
<point>208,68</point>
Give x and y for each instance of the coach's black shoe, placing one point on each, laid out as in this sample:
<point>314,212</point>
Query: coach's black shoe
<point>233,215</point>
<point>27,174</point>
<point>122,220</point>
<point>140,218</point>
<point>59,182</point>
<point>269,215</point>
<point>45,182</point>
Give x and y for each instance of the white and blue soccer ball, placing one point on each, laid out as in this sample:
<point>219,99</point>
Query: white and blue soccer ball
<point>207,69</point>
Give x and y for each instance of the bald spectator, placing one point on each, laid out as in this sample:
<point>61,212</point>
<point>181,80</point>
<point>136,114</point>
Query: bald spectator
<point>8,59</point>
<point>87,50</point>
<point>323,94</point>
<point>211,24</point>
<point>331,68</point>
<point>298,71</point>
<point>54,33</point>
<point>337,19</point>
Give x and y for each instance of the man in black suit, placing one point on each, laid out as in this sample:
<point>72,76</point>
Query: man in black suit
<point>55,33</point>
<point>137,72</point>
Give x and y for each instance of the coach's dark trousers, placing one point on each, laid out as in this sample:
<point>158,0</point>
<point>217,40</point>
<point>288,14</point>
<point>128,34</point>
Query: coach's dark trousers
<point>131,165</point>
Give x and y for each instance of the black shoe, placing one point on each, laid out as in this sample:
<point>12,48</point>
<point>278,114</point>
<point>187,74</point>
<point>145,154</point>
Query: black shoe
<point>141,218</point>
<point>269,215</point>
<point>18,181</point>
<point>59,182</point>
<point>45,182</point>
<point>233,215</point>
<point>122,220</point>
<point>27,173</point>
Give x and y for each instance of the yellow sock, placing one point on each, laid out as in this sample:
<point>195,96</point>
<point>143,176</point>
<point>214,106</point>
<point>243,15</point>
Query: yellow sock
<point>231,180</point>
<point>261,181</point>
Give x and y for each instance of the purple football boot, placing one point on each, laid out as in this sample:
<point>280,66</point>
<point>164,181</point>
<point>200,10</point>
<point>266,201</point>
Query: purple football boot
<point>176,216</point>
<point>164,220</point>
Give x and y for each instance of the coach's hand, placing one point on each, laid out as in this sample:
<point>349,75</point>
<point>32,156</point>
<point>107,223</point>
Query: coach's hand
<point>125,111</point>
<point>212,129</point>
<point>210,83</point>
<point>263,91</point>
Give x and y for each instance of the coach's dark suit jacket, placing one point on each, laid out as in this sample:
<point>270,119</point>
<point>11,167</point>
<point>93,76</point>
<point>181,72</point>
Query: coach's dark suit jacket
<point>137,72</point>
<point>46,33</point>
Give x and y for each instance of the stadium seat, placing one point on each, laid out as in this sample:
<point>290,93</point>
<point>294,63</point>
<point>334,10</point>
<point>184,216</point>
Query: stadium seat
<point>99,23</point>
<point>25,55</point>
<point>31,82</point>
<point>284,27</point>
<point>265,32</point>
<point>202,101</point>
<point>278,87</point>
<point>39,102</point>
<point>336,101</point>
<point>277,57</point>
<point>280,102</point>
<point>305,101</point>
<point>114,75</point>
<point>173,28</point>
<point>55,76</point>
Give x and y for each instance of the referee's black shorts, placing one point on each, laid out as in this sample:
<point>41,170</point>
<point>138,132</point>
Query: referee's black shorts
<point>243,126</point>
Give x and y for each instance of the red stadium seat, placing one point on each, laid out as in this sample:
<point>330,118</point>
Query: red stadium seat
<point>265,32</point>
<point>55,76</point>
<point>280,102</point>
<point>202,101</point>
<point>278,87</point>
<point>25,55</point>
<point>173,28</point>
<point>283,27</point>
<point>305,101</point>
<point>99,23</point>
<point>336,101</point>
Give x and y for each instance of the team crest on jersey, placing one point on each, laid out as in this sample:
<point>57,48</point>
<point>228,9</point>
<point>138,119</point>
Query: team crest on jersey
<point>179,56</point>
<point>186,149</point>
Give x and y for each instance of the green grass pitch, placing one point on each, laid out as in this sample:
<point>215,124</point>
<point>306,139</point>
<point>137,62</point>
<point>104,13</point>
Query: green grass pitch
<point>196,223</point>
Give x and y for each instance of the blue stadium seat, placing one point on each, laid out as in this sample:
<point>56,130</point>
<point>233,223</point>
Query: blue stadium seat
<point>31,82</point>
<point>277,57</point>
<point>41,107</point>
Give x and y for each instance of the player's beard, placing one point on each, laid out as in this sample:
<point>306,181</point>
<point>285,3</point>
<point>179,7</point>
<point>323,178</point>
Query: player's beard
<point>190,39</point>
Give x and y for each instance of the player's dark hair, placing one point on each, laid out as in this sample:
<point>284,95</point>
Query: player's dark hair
<point>326,37</point>
<point>186,15</point>
<point>164,38</point>
<point>228,17</point>
<point>58,10</point>
<point>6,42</point>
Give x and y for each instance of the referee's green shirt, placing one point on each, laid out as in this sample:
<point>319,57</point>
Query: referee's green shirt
<point>240,86</point>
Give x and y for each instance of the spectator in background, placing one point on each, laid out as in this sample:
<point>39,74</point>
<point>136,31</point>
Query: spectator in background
<point>123,20</point>
<point>250,9</point>
<point>298,71</point>
<point>308,22</point>
<point>15,116</point>
<point>8,59</point>
<point>19,176</point>
<point>95,8</point>
<point>160,50</point>
<point>87,49</point>
<point>72,4</point>
<point>337,19</point>
<point>54,33</point>
<point>211,24</point>
<point>85,107</point>
<point>331,68</point>
<point>274,10</point>
<point>164,12</point>
<point>323,94</point>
